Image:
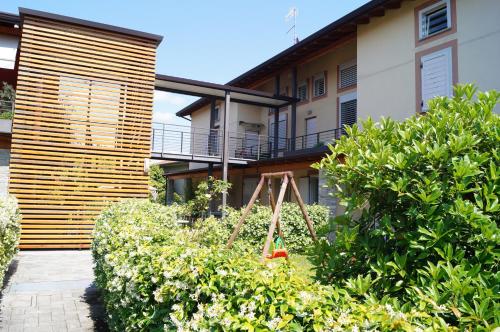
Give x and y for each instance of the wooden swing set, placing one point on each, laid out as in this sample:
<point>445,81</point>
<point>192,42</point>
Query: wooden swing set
<point>286,178</point>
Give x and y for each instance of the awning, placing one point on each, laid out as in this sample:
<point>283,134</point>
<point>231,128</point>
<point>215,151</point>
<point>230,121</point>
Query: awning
<point>218,91</point>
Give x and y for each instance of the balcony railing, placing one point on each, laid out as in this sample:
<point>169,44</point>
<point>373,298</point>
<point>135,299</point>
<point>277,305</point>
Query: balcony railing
<point>202,142</point>
<point>315,140</point>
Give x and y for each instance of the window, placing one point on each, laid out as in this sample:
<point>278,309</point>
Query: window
<point>249,186</point>
<point>8,50</point>
<point>311,133</point>
<point>302,91</point>
<point>348,75</point>
<point>348,105</point>
<point>319,85</point>
<point>217,114</point>
<point>282,131</point>
<point>251,142</point>
<point>434,19</point>
<point>309,189</point>
<point>436,75</point>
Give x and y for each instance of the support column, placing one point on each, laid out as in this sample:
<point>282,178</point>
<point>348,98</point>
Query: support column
<point>225,146</point>
<point>276,117</point>
<point>293,120</point>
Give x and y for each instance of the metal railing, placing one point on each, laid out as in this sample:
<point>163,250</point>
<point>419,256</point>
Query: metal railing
<point>186,140</point>
<point>314,140</point>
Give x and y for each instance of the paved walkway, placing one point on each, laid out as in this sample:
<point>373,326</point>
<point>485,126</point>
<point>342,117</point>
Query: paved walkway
<point>51,291</point>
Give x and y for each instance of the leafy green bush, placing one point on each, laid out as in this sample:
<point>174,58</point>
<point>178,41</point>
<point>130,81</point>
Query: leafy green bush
<point>9,232</point>
<point>422,210</point>
<point>297,237</point>
<point>156,276</point>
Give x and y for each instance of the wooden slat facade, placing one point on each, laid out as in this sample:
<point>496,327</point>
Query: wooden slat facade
<point>81,129</point>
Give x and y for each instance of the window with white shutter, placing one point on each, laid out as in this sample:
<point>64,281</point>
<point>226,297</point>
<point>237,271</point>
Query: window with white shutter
<point>348,75</point>
<point>348,111</point>
<point>319,85</point>
<point>434,19</point>
<point>302,91</point>
<point>436,75</point>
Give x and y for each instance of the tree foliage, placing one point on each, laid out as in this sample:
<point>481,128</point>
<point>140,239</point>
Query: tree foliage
<point>157,181</point>
<point>422,210</point>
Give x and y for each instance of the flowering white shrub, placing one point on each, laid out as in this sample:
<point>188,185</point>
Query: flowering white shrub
<point>9,232</point>
<point>156,276</point>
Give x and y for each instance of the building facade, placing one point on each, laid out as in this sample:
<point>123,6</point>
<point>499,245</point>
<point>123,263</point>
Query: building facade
<point>387,58</point>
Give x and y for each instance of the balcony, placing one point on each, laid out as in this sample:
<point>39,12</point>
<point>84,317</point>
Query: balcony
<point>185,143</point>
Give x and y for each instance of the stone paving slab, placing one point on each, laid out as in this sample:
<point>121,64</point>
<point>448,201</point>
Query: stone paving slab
<point>52,291</point>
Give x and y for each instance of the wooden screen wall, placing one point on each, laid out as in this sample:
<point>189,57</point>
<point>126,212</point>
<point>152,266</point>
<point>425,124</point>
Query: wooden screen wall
<point>81,128</point>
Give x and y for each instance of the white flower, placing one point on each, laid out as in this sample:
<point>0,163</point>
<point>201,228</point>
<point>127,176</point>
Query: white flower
<point>222,272</point>
<point>227,322</point>
<point>273,323</point>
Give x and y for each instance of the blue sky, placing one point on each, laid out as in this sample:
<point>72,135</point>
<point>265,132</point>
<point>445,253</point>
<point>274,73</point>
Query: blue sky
<point>213,40</point>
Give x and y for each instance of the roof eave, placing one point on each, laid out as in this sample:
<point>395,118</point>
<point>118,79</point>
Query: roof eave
<point>67,19</point>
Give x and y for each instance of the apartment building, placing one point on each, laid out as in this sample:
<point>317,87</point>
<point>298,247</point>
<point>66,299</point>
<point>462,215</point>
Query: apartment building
<point>80,132</point>
<point>386,58</point>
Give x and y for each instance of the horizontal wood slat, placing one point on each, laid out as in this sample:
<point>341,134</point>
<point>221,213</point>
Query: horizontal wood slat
<point>81,129</point>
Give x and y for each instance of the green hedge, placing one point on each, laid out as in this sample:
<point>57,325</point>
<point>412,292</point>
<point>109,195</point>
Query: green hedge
<point>422,209</point>
<point>9,232</point>
<point>156,276</point>
<point>296,235</point>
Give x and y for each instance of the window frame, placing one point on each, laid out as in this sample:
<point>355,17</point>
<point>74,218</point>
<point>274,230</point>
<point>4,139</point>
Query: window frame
<point>453,44</point>
<point>429,6</point>
<point>340,68</point>
<point>314,79</point>
<point>343,99</point>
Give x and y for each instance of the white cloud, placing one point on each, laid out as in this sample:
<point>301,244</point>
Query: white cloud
<point>166,104</point>
<point>162,97</point>
<point>163,116</point>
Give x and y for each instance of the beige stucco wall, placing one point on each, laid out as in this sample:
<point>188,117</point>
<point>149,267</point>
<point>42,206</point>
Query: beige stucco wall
<point>478,30</point>
<point>386,56</point>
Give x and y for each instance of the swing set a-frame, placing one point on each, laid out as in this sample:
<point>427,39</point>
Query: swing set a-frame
<point>286,179</point>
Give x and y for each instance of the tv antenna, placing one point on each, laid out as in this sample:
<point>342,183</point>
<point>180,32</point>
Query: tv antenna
<point>292,15</point>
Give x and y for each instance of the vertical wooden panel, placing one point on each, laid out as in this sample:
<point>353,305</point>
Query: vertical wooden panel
<point>81,128</point>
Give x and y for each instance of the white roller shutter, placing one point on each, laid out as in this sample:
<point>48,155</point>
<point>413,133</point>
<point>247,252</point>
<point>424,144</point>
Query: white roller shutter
<point>436,69</point>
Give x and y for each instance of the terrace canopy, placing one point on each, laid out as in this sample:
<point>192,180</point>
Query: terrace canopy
<point>227,93</point>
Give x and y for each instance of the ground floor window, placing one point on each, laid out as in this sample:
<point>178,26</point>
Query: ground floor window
<point>309,189</point>
<point>249,186</point>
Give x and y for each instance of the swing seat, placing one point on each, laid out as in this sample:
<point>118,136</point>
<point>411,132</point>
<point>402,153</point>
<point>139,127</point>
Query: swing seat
<point>278,253</point>
<point>279,250</point>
